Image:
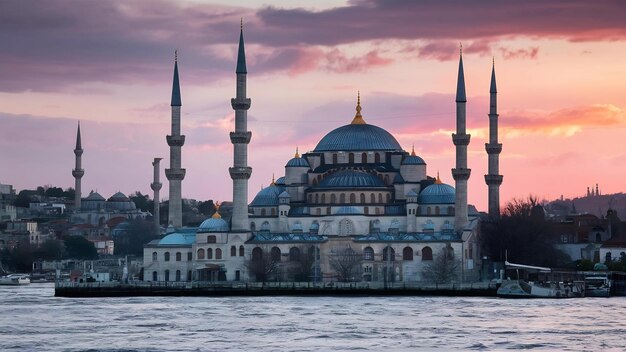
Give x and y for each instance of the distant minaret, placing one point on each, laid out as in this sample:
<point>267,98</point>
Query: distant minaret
<point>597,191</point>
<point>175,174</point>
<point>460,139</point>
<point>78,171</point>
<point>588,193</point>
<point>156,187</point>
<point>240,172</point>
<point>493,148</point>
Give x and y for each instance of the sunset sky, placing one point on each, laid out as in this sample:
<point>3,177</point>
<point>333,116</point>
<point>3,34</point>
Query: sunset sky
<point>560,66</point>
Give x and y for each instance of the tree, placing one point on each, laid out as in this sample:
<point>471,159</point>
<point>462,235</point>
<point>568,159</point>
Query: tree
<point>51,249</point>
<point>262,265</point>
<point>206,208</point>
<point>142,201</point>
<point>346,263</point>
<point>444,267</point>
<point>139,232</point>
<point>78,247</point>
<point>56,192</point>
<point>24,198</point>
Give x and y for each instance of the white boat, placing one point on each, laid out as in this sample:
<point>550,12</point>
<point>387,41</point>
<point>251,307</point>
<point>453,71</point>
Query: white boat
<point>523,288</point>
<point>15,280</point>
<point>597,284</point>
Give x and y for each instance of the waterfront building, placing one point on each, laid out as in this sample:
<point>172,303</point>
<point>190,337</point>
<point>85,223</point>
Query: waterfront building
<point>358,197</point>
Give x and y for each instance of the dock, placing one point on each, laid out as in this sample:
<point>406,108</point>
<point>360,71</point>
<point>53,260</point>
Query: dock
<point>230,289</point>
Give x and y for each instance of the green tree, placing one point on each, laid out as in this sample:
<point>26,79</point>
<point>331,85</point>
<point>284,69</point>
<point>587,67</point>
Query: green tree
<point>24,198</point>
<point>139,232</point>
<point>78,247</point>
<point>56,192</point>
<point>51,249</point>
<point>142,201</point>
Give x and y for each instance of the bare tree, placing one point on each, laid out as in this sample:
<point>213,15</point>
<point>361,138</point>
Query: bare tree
<point>262,266</point>
<point>301,263</point>
<point>444,267</point>
<point>346,263</point>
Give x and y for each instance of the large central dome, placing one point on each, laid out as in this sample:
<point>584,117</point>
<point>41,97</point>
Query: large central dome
<point>358,136</point>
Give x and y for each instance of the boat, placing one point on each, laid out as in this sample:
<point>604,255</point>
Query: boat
<point>544,285</point>
<point>15,280</point>
<point>597,284</point>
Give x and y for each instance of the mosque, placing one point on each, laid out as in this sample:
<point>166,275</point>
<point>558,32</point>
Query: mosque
<point>358,207</point>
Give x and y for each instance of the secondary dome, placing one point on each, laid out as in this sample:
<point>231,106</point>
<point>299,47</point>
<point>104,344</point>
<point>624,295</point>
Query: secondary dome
<point>437,193</point>
<point>358,136</point>
<point>351,179</point>
<point>213,225</point>
<point>268,196</point>
<point>178,239</point>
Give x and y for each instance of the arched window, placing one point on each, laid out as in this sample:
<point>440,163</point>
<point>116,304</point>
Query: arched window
<point>241,251</point>
<point>342,198</point>
<point>317,198</point>
<point>598,237</point>
<point>427,253</point>
<point>167,256</point>
<point>407,253</point>
<point>273,211</point>
<point>154,276</point>
<point>372,198</point>
<point>167,275</point>
<point>200,253</point>
<point>233,251</point>
<point>310,196</point>
<point>209,253</point>
<point>352,198</point>
<point>362,198</point>
<point>388,198</point>
<point>368,253</point>
<point>334,158</point>
<point>294,254</point>
<point>364,158</point>
<point>211,239</point>
<point>380,197</point>
<point>386,179</point>
<point>257,253</point>
<point>436,210</point>
<point>389,254</point>
<point>366,210</point>
<point>265,226</point>
<point>177,275</point>
<point>450,210</point>
<point>189,256</point>
<point>189,275</point>
<point>179,256</point>
<point>252,226</point>
<point>376,210</point>
<point>218,253</point>
<point>263,212</point>
<point>275,254</point>
<point>333,199</point>
<point>323,197</point>
<point>428,211</point>
<point>154,256</point>
<point>377,158</point>
<point>351,158</point>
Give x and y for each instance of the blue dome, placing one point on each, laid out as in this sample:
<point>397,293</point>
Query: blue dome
<point>351,179</point>
<point>280,181</point>
<point>267,197</point>
<point>363,137</point>
<point>213,225</point>
<point>413,160</point>
<point>297,162</point>
<point>438,193</point>
<point>178,239</point>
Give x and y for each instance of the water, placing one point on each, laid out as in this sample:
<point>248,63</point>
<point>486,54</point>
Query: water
<point>32,319</point>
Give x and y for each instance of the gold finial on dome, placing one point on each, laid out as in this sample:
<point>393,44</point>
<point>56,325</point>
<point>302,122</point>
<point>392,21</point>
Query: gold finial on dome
<point>273,181</point>
<point>297,154</point>
<point>358,119</point>
<point>413,150</point>
<point>438,180</point>
<point>217,215</point>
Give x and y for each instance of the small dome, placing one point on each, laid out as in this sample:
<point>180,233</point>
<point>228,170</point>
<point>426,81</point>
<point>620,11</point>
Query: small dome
<point>268,196</point>
<point>213,224</point>
<point>119,197</point>
<point>285,194</point>
<point>413,160</point>
<point>280,181</point>
<point>94,196</point>
<point>297,162</point>
<point>351,179</point>
<point>411,193</point>
<point>178,239</point>
<point>437,193</point>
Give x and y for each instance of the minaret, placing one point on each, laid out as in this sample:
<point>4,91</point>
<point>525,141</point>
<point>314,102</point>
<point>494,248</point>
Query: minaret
<point>78,171</point>
<point>493,148</point>
<point>240,172</point>
<point>460,139</point>
<point>156,187</point>
<point>175,174</point>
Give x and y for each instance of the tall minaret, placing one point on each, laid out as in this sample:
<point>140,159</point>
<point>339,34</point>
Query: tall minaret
<point>156,187</point>
<point>175,174</point>
<point>461,139</point>
<point>78,171</point>
<point>240,172</point>
<point>493,148</point>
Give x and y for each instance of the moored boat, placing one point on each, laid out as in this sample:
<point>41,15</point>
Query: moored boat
<point>15,280</point>
<point>548,288</point>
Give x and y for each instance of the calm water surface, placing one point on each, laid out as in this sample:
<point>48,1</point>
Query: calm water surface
<point>32,319</point>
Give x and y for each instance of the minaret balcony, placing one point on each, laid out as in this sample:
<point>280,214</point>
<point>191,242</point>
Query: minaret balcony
<point>493,148</point>
<point>78,152</point>
<point>240,173</point>
<point>175,141</point>
<point>78,173</point>
<point>461,139</point>
<point>240,104</point>
<point>461,174</point>
<point>493,180</point>
<point>156,186</point>
<point>240,137</point>
<point>175,174</point>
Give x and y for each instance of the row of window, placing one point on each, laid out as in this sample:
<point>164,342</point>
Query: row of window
<point>218,252</point>
<point>166,256</point>
<point>388,254</point>
<point>363,160</point>
<point>351,197</point>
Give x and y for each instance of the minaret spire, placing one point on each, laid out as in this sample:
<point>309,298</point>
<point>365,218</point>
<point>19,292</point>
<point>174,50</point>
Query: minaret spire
<point>461,140</point>
<point>175,174</point>
<point>240,172</point>
<point>493,179</point>
<point>78,171</point>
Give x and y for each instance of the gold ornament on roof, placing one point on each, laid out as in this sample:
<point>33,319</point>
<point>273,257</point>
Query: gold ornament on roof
<point>413,150</point>
<point>358,119</point>
<point>217,215</point>
<point>297,154</point>
<point>273,181</point>
<point>438,180</point>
